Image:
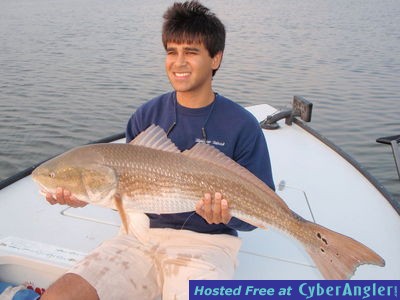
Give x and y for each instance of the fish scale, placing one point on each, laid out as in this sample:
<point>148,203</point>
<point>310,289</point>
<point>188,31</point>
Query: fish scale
<point>153,176</point>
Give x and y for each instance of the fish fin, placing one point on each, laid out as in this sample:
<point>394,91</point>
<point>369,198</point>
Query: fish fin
<point>121,210</point>
<point>155,137</point>
<point>338,256</point>
<point>212,155</point>
<point>99,181</point>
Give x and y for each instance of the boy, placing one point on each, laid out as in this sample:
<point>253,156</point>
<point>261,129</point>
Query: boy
<point>165,251</point>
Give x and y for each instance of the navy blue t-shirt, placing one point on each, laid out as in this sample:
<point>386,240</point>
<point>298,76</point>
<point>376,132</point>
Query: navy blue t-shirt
<point>225,125</point>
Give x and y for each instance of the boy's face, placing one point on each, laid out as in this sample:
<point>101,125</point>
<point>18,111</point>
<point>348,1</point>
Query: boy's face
<point>189,67</point>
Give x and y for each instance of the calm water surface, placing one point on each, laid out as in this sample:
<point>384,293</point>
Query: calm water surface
<point>73,71</point>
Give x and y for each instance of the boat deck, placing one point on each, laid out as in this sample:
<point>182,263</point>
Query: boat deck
<point>38,242</point>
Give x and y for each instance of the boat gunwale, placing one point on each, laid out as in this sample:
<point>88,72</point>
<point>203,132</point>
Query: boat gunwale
<point>372,179</point>
<point>26,172</point>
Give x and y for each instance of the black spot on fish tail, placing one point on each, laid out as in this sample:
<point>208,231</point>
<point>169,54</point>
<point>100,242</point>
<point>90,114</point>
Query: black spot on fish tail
<point>324,240</point>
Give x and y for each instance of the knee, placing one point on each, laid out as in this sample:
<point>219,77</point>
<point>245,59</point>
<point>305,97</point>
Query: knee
<point>70,286</point>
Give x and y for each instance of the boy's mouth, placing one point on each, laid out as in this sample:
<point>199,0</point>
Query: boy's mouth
<point>181,74</point>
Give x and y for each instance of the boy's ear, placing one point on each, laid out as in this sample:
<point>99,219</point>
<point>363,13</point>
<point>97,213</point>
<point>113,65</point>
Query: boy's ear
<point>216,60</point>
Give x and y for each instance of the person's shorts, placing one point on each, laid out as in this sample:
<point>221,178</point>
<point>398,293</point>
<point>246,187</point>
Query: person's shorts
<point>154,262</point>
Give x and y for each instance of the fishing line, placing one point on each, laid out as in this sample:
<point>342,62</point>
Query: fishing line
<point>187,219</point>
<point>172,127</point>
<point>203,128</point>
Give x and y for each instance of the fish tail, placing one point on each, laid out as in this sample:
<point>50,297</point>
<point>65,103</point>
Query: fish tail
<point>338,256</point>
<point>121,211</point>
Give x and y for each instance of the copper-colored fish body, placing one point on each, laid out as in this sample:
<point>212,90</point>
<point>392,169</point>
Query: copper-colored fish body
<point>152,175</point>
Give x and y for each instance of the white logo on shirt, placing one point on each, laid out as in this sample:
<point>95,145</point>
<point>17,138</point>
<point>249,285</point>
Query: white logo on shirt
<point>215,143</point>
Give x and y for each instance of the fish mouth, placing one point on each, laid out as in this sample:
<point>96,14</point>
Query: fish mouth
<point>37,175</point>
<point>43,190</point>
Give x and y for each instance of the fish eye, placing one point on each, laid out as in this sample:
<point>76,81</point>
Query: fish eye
<point>52,174</point>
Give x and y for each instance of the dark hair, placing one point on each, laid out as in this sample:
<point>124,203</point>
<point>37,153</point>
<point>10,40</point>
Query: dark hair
<point>191,22</point>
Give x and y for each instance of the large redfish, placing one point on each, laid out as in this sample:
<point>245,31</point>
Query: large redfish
<point>151,175</point>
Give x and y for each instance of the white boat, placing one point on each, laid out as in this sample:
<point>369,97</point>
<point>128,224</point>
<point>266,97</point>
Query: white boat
<point>38,242</point>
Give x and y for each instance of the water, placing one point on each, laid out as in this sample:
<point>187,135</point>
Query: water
<point>73,72</point>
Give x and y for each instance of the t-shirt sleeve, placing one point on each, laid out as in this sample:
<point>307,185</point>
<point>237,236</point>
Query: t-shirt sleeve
<point>133,127</point>
<point>252,153</point>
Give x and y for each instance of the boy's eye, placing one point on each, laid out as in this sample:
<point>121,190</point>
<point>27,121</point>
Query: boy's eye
<point>171,52</point>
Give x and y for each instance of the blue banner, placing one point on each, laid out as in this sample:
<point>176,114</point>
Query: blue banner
<point>297,289</point>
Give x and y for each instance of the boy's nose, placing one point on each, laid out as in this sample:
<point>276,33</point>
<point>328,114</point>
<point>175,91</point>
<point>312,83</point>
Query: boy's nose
<point>181,60</point>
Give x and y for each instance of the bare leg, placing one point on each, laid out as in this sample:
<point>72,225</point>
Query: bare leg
<point>70,287</point>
